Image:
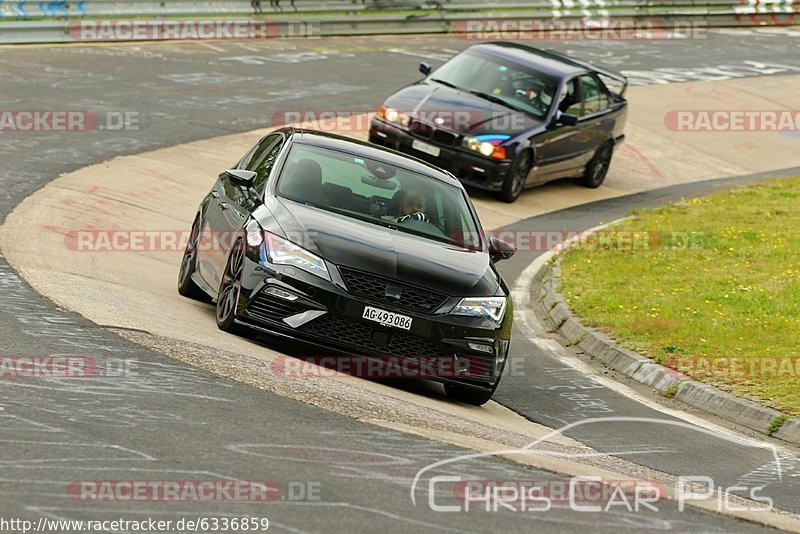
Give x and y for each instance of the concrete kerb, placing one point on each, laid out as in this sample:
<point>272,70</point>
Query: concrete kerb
<point>668,382</point>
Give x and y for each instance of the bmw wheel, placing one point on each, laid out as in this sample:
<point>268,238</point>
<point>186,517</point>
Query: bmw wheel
<point>516,177</point>
<point>597,168</point>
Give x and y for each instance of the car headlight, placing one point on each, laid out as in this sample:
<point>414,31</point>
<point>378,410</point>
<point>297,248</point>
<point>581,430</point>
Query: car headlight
<point>488,145</point>
<point>282,252</point>
<point>490,307</point>
<point>394,116</point>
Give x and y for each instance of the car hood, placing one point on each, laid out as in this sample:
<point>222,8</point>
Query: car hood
<point>384,252</point>
<point>459,111</point>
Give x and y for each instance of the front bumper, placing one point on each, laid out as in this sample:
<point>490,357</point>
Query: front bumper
<point>328,316</point>
<point>470,168</point>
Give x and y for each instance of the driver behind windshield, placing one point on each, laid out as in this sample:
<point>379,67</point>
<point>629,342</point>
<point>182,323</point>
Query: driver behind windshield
<point>412,206</point>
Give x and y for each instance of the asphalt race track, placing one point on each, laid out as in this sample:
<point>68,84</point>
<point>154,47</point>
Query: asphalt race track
<point>169,420</point>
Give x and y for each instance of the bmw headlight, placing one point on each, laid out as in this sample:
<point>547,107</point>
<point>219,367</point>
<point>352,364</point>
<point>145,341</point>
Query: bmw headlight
<point>487,145</point>
<point>393,116</point>
<point>282,252</point>
<point>489,307</point>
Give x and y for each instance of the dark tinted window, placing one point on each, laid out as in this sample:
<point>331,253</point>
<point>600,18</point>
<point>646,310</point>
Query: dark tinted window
<point>263,160</point>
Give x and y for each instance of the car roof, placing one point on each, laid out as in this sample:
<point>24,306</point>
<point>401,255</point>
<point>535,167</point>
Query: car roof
<point>369,151</point>
<point>545,61</point>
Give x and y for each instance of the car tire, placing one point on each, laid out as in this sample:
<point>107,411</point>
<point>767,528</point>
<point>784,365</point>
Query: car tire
<point>597,168</point>
<point>186,286</point>
<point>228,294</point>
<point>468,395</point>
<point>515,179</point>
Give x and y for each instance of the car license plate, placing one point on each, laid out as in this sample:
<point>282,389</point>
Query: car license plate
<point>387,318</point>
<point>425,147</point>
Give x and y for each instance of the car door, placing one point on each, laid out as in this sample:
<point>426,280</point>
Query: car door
<point>558,149</point>
<point>596,123</point>
<point>231,206</point>
<point>208,250</point>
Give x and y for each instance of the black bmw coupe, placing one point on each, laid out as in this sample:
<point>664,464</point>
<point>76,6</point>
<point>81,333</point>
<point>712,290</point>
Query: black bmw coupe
<point>357,249</point>
<point>505,116</point>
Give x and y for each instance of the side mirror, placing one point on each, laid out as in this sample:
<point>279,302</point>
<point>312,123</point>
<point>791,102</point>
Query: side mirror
<point>425,68</point>
<point>566,119</point>
<point>500,250</point>
<point>241,177</point>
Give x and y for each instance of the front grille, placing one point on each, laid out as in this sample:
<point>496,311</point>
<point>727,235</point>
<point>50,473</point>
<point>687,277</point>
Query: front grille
<point>374,287</point>
<point>424,130</point>
<point>420,129</point>
<point>443,138</point>
<point>269,308</point>
<point>358,337</point>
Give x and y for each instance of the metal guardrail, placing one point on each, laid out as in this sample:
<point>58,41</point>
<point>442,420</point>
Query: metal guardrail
<point>30,9</point>
<point>451,16</point>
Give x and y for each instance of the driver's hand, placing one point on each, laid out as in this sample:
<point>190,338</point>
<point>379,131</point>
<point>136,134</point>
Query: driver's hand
<point>418,216</point>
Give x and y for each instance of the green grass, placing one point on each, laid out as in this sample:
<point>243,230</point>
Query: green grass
<point>776,424</point>
<point>714,291</point>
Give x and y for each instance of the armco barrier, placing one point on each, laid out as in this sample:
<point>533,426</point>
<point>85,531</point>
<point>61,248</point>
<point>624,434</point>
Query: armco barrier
<point>28,9</point>
<point>367,17</point>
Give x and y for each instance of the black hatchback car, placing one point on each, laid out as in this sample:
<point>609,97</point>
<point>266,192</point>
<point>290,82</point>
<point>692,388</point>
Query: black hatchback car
<point>505,116</point>
<point>356,249</point>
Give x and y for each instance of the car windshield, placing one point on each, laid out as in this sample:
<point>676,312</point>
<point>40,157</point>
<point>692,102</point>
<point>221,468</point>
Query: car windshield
<point>379,193</point>
<point>502,81</point>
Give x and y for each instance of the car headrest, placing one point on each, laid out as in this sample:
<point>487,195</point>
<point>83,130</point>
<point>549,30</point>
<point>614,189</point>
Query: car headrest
<point>307,173</point>
<point>305,180</point>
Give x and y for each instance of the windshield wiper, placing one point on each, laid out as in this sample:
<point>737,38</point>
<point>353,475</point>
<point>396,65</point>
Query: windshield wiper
<point>492,98</point>
<point>448,84</point>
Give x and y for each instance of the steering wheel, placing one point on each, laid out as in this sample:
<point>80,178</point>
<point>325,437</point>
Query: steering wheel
<point>418,216</point>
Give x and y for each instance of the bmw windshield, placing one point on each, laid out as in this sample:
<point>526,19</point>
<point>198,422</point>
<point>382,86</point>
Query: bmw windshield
<point>500,81</point>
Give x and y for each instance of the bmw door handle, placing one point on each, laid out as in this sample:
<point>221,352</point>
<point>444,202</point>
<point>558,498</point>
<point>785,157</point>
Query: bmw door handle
<point>223,205</point>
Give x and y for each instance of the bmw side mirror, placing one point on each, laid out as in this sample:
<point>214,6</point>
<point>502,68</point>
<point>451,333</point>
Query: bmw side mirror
<point>425,68</point>
<point>500,250</point>
<point>241,177</point>
<point>566,119</point>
